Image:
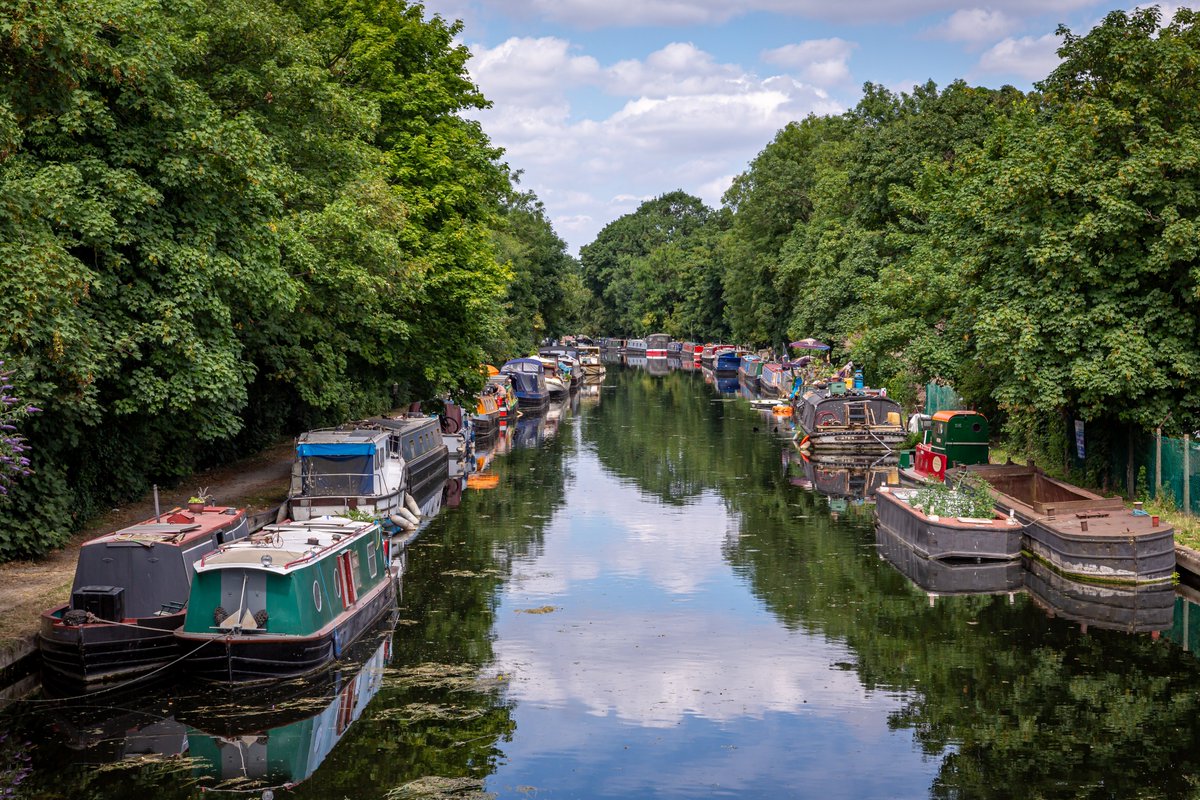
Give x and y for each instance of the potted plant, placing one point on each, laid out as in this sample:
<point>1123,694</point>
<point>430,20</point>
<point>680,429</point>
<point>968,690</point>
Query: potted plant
<point>198,501</point>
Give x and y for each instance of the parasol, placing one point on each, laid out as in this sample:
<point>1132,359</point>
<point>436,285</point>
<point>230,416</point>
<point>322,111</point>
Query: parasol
<point>809,344</point>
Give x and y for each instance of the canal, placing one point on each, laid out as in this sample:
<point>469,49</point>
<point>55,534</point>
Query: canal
<point>651,599</point>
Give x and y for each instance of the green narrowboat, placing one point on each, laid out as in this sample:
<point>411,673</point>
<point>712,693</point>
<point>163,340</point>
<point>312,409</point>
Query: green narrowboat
<point>287,601</point>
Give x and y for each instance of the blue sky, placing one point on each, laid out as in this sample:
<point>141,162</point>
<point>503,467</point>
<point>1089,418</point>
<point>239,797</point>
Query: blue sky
<point>603,104</point>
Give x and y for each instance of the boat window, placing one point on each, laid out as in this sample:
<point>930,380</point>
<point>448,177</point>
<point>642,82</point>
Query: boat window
<point>356,568</point>
<point>372,565</point>
<point>337,582</point>
<point>977,427</point>
<point>332,475</point>
<point>317,595</point>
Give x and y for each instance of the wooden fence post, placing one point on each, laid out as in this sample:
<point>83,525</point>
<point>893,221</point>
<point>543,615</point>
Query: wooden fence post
<point>1157,461</point>
<point>1187,473</point>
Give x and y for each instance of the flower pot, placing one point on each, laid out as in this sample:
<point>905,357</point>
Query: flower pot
<point>195,508</point>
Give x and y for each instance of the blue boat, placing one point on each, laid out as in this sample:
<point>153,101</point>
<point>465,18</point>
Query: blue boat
<point>529,381</point>
<point>727,363</point>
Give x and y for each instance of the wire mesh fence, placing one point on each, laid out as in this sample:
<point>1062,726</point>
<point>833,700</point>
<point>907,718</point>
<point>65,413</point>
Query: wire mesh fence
<point>1160,467</point>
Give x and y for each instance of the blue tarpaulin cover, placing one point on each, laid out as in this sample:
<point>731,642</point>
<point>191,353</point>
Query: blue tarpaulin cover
<point>335,449</point>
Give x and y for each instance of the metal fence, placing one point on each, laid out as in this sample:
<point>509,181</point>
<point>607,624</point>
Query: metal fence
<point>1160,465</point>
<point>941,398</point>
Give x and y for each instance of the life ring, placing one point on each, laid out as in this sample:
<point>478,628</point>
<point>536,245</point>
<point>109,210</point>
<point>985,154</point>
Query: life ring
<point>277,540</point>
<point>827,418</point>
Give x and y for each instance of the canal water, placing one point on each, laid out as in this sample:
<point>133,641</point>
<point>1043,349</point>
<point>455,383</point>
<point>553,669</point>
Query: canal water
<point>646,595</point>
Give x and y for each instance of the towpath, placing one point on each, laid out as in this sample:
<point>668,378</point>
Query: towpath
<point>27,587</point>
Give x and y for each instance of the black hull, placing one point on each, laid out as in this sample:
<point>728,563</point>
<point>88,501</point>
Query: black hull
<point>96,654</point>
<point>246,659</point>
<point>427,470</point>
<point>533,402</point>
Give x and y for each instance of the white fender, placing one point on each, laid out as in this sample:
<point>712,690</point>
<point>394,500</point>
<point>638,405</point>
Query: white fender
<point>404,513</point>
<point>402,523</point>
<point>411,505</point>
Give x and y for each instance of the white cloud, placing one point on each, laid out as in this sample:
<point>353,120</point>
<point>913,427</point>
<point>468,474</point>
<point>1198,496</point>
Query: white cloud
<point>819,61</point>
<point>974,26</point>
<point>682,120</point>
<point>591,14</point>
<point>1027,57</point>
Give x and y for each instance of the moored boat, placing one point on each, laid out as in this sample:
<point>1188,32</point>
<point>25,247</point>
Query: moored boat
<point>635,347</point>
<point>286,601</point>
<point>726,362</point>
<point>749,368</point>
<point>941,537</point>
<point>529,381</point>
<point>589,359</point>
<point>557,384</point>
<point>506,396</point>
<point>130,594</point>
<point>834,418</point>
<point>1129,608</point>
<point>775,379</point>
<point>1077,532</point>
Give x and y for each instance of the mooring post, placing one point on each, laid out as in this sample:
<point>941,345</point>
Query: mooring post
<point>1157,461</point>
<point>1187,473</point>
<point>1130,487</point>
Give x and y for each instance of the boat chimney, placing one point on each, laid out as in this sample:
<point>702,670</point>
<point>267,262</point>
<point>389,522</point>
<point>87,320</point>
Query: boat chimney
<point>157,512</point>
<point>1154,521</point>
<point>1083,526</point>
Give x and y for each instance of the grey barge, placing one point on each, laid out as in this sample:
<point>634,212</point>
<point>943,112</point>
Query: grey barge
<point>937,538</point>
<point>1079,533</point>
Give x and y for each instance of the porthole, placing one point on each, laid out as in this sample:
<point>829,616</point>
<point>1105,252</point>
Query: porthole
<point>317,595</point>
<point>977,427</point>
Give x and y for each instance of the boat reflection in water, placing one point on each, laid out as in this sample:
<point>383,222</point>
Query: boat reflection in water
<point>531,430</point>
<point>1117,607</point>
<point>847,477</point>
<point>280,741</point>
<point>939,577</point>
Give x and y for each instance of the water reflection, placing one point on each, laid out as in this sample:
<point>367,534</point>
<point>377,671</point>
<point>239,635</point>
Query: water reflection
<point>1133,609</point>
<point>657,602</point>
<point>937,578</point>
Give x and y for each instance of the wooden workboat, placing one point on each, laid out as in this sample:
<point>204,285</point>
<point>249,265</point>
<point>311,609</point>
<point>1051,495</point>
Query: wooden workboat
<point>834,418</point>
<point>1077,532</point>
<point>942,538</point>
<point>286,601</point>
<point>590,361</point>
<point>129,596</point>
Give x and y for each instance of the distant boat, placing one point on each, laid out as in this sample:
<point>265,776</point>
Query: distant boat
<point>657,344</point>
<point>635,346</point>
<point>287,601</point>
<point>529,381</point>
<point>748,369</point>
<point>726,362</point>
<point>775,379</point>
<point>129,595</point>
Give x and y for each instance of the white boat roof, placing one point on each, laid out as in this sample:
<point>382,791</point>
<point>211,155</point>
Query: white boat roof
<point>289,544</point>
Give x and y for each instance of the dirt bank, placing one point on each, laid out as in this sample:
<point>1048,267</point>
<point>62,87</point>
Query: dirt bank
<point>28,587</point>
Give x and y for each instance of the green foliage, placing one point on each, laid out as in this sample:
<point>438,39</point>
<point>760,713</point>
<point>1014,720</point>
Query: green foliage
<point>220,222</point>
<point>964,499</point>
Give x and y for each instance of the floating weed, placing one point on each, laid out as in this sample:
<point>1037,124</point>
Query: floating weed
<point>454,677</point>
<point>160,763</point>
<point>434,787</point>
<point>466,573</point>
<point>423,712</point>
<point>407,622</point>
<point>541,610</point>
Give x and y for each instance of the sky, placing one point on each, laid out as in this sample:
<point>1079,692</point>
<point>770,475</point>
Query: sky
<point>603,104</point>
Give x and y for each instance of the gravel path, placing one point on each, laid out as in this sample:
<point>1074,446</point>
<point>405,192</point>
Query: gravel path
<point>29,587</point>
